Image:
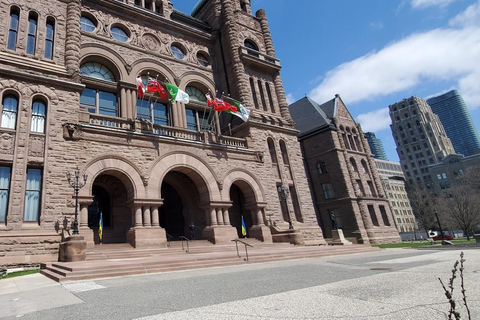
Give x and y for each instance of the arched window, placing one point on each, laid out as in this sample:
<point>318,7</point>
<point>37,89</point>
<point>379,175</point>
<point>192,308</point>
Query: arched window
<point>119,34</point>
<point>38,116</point>
<point>198,118</point>
<point>4,191</point>
<point>9,111</point>
<point>250,44</point>
<point>269,94</point>
<point>262,95</point>
<point>195,94</point>
<point>271,149</point>
<point>101,100</point>
<point>13,29</point>
<point>32,32</point>
<point>364,166</point>
<point>283,149</point>
<point>49,38</point>
<point>87,24</point>
<point>254,92</point>
<point>353,164</point>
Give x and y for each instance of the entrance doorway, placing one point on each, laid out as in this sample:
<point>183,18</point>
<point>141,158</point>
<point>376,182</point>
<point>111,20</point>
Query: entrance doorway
<point>171,212</point>
<point>238,210</point>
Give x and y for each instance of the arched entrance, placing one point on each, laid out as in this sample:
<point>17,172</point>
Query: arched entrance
<point>238,211</point>
<point>181,206</point>
<point>109,198</point>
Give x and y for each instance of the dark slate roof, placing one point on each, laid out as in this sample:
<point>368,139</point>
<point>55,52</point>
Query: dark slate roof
<point>309,115</point>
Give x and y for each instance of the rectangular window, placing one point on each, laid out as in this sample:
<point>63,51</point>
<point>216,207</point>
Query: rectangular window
<point>373,216</point>
<point>384,215</point>
<point>372,189</point>
<point>4,191</point>
<point>191,119</point>
<point>107,104</point>
<point>197,120</point>
<point>32,194</point>
<point>49,38</point>
<point>88,100</point>
<point>328,191</point>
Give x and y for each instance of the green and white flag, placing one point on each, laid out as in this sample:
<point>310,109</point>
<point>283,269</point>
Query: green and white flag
<point>242,112</point>
<point>177,94</point>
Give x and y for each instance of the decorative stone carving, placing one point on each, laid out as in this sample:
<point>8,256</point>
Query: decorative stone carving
<point>36,147</point>
<point>151,42</point>
<point>71,131</point>
<point>7,142</point>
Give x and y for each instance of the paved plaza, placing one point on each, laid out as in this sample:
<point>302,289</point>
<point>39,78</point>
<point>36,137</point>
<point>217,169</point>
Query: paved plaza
<point>388,284</point>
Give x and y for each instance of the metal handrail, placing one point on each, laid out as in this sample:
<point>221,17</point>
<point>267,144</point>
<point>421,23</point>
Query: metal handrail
<point>186,239</point>
<point>169,239</point>
<point>245,244</point>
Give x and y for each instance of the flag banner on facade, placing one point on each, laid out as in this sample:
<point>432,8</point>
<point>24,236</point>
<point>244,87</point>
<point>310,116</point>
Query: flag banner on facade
<point>176,94</point>
<point>100,226</point>
<point>219,104</point>
<point>242,112</point>
<point>140,89</point>
<point>155,86</point>
<point>244,228</point>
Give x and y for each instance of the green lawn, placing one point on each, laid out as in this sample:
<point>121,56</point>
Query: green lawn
<point>413,244</point>
<point>19,273</point>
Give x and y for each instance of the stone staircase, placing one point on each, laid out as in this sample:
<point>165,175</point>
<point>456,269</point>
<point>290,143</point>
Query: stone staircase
<point>112,260</point>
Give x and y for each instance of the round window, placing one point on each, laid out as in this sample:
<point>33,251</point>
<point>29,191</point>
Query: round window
<point>202,59</point>
<point>177,52</point>
<point>119,34</point>
<point>87,24</point>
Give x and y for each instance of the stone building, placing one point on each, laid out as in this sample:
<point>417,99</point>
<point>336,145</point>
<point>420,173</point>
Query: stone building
<point>393,182</point>
<point>420,138</point>
<point>346,188</point>
<point>68,71</point>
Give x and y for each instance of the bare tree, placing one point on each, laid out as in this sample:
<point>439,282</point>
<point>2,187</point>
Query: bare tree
<point>462,202</point>
<point>422,203</point>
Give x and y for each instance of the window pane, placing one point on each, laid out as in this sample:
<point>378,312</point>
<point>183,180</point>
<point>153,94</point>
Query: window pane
<point>160,115</point>
<point>177,52</point>
<point>14,21</point>
<point>86,24</point>
<point>107,103</point>
<point>119,34</point>
<point>48,49</point>
<point>32,195</point>
<point>97,70</point>
<point>4,188</point>
<point>88,97</point>
<point>50,29</point>
<point>38,116</point>
<point>203,118</point>
<point>12,40</point>
<point>143,110</point>
<point>191,120</point>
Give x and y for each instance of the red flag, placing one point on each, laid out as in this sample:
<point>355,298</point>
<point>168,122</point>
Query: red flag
<point>140,89</point>
<point>155,86</point>
<point>219,104</point>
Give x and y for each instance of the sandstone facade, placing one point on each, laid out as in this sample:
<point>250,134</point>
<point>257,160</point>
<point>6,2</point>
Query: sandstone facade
<point>150,179</point>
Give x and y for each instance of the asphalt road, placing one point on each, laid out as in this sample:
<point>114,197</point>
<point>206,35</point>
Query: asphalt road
<point>390,284</point>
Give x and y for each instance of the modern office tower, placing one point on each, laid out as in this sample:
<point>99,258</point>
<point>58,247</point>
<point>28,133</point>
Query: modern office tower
<point>71,77</point>
<point>344,182</point>
<point>420,139</point>
<point>457,122</point>
<point>376,146</point>
<point>393,181</point>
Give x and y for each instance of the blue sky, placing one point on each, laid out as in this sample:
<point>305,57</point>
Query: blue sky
<point>375,53</point>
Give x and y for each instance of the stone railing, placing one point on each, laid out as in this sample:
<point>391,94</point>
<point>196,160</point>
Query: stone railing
<point>111,122</point>
<point>259,58</point>
<point>179,133</point>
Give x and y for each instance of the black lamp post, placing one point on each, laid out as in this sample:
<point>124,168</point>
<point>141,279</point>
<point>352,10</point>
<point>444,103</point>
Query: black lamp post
<point>284,192</point>
<point>76,185</point>
<point>439,225</point>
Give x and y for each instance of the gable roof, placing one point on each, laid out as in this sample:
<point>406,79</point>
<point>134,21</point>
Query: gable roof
<point>309,115</point>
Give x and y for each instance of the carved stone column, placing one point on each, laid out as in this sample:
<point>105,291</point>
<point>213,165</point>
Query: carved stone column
<point>143,235</point>
<point>226,217</point>
<point>220,216</point>
<point>146,217</point>
<point>72,41</point>
<point>219,231</point>
<point>259,231</point>
<point>155,220</point>
<point>84,230</point>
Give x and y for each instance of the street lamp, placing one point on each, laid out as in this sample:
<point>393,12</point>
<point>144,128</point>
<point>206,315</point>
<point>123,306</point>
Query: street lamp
<point>284,192</point>
<point>76,185</point>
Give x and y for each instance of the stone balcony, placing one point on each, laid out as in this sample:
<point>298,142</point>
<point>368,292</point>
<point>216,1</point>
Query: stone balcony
<point>259,60</point>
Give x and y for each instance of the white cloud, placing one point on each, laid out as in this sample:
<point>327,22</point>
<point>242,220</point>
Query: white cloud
<point>420,4</point>
<point>449,54</point>
<point>470,17</point>
<point>375,120</point>
<point>290,98</point>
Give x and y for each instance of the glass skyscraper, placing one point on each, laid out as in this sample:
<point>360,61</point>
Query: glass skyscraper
<point>456,121</point>
<point>376,146</point>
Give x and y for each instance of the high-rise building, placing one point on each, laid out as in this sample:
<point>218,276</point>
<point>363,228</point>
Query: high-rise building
<point>420,139</point>
<point>393,182</point>
<point>152,165</point>
<point>376,146</point>
<point>345,185</point>
<point>457,122</point>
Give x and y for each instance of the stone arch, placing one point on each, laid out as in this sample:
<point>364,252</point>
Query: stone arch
<point>107,56</point>
<point>121,168</point>
<point>192,77</point>
<point>195,168</point>
<point>253,194</point>
<point>147,63</point>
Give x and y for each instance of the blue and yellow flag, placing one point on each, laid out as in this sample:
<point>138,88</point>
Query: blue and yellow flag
<point>100,226</point>
<point>244,228</point>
